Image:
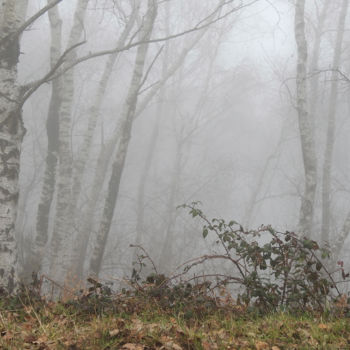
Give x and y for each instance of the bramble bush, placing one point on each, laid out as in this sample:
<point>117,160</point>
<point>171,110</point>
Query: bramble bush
<point>273,270</point>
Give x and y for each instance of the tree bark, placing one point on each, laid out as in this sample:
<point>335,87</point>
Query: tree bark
<point>305,127</point>
<point>94,111</point>
<point>34,262</point>
<point>63,228</point>
<point>83,238</point>
<point>127,118</point>
<point>328,156</point>
<point>11,135</point>
<point>314,62</point>
<point>81,242</point>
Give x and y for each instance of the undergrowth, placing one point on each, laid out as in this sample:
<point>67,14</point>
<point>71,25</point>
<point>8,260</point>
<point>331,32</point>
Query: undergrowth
<point>287,299</point>
<point>132,321</point>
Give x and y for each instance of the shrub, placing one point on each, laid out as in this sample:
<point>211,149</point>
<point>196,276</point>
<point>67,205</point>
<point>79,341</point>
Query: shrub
<point>274,269</point>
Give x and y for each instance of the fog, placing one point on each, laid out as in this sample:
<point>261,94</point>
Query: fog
<point>233,104</point>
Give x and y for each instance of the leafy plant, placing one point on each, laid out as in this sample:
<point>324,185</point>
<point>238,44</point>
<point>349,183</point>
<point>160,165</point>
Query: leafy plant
<point>275,269</point>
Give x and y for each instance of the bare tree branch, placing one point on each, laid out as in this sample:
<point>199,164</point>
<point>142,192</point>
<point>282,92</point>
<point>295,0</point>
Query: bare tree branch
<point>29,89</point>
<point>131,45</point>
<point>150,68</point>
<point>30,21</point>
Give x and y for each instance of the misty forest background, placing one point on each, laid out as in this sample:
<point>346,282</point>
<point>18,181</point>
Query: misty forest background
<point>134,107</point>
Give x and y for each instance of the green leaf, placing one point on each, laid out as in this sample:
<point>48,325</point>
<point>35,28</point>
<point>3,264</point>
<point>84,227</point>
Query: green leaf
<point>205,232</point>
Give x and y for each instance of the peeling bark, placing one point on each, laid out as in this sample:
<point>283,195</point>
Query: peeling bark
<point>81,243</point>
<point>34,262</point>
<point>94,111</point>
<point>63,228</point>
<point>127,118</point>
<point>11,135</point>
<point>305,126</point>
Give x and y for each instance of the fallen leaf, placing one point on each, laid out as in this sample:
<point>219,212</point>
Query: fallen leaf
<point>171,346</point>
<point>114,332</point>
<point>208,346</point>
<point>130,346</point>
<point>323,326</point>
<point>261,345</point>
<point>137,325</point>
<point>7,336</point>
<point>30,338</point>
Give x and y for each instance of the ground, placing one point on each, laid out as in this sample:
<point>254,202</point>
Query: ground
<point>134,322</point>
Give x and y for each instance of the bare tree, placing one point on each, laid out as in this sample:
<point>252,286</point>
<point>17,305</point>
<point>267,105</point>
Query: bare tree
<point>36,254</point>
<point>314,62</point>
<point>62,230</point>
<point>330,140</point>
<point>305,126</point>
<point>12,98</point>
<point>84,227</point>
<point>127,118</point>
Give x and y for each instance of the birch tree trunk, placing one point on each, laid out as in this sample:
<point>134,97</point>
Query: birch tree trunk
<point>11,136</point>
<point>63,230</point>
<point>52,126</point>
<point>127,118</point>
<point>94,111</point>
<point>328,156</point>
<point>305,126</point>
<point>81,242</point>
<point>314,80</point>
<point>107,152</point>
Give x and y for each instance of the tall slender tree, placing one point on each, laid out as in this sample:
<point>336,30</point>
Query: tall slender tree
<point>12,98</point>
<point>11,136</point>
<point>127,118</point>
<point>84,228</point>
<point>305,127</point>
<point>62,229</point>
<point>330,139</point>
<point>41,237</point>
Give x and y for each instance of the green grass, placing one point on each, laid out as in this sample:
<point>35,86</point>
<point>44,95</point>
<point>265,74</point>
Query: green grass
<point>135,323</point>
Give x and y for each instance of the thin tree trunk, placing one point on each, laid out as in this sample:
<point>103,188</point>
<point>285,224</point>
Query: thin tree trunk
<point>11,136</point>
<point>94,111</point>
<point>127,118</point>
<point>340,239</point>
<point>305,127</point>
<point>63,230</point>
<point>328,156</point>
<point>314,62</point>
<point>153,142</point>
<point>99,177</point>
<point>82,241</point>
<point>34,262</point>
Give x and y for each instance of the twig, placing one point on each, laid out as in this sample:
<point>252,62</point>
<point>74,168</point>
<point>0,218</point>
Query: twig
<point>146,256</point>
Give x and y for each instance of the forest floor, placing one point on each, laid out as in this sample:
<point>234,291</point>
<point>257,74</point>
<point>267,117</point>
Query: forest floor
<point>132,322</point>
